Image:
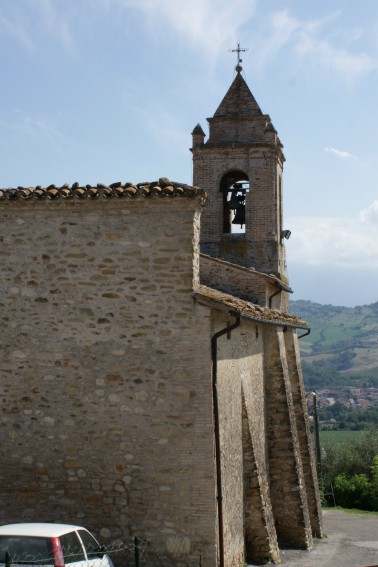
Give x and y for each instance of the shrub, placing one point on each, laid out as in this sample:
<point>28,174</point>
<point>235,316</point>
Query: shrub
<point>351,462</point>
<point>355,492</point>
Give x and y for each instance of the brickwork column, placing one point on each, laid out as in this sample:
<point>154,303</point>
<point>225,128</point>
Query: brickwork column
<point>287,486</point>
<point>304,435</point>
<point>260,534</point>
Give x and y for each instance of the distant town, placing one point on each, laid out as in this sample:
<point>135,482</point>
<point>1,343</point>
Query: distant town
<point>349,397</point>
<point>346,408</point>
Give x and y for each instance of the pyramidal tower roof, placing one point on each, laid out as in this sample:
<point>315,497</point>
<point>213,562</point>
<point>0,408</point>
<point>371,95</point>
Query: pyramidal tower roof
<point>238,101</point>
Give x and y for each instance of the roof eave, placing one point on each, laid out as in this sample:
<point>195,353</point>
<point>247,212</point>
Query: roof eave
<point>220,305</point>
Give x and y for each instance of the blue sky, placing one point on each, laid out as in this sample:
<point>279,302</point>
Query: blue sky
<point>110,90</point>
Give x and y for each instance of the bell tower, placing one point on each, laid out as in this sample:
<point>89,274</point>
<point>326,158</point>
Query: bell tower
<point>240,168</point>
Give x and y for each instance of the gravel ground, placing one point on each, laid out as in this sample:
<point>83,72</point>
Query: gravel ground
<point>352,541</point>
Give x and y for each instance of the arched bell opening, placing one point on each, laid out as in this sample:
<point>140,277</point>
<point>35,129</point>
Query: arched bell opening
<point>234,187</point>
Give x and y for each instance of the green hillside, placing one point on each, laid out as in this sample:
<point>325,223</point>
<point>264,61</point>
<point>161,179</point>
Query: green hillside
<point>342,348</point>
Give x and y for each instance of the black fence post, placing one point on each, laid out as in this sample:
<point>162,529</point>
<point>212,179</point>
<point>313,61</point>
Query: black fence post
<point>8,560</point>
<point>317,439</point>
<point>136,551</point>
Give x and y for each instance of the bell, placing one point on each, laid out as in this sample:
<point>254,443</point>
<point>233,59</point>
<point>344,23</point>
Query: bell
<point>239,217</point>
<point>234,203</point>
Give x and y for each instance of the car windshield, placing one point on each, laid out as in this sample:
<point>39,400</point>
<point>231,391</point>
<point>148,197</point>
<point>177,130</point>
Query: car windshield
<point>24,549</point>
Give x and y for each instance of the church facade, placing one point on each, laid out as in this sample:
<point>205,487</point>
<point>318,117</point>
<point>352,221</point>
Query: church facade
<point>151,375</point>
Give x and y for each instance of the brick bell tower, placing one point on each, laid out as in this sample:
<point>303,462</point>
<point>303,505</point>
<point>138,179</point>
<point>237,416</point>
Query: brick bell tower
<point>240,168</point>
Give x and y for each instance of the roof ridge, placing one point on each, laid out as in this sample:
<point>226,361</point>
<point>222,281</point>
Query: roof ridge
<point>163,188</point>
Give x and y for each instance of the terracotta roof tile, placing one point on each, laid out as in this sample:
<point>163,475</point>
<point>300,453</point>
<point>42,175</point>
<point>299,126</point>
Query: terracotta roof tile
<point>223,301</point>
<point>161,188</point>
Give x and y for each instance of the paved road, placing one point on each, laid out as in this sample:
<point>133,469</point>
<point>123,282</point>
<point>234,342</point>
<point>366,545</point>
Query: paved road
<point>352,541</point>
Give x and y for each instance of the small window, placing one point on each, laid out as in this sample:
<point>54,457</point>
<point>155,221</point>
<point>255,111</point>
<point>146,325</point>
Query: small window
<point>72,548</point>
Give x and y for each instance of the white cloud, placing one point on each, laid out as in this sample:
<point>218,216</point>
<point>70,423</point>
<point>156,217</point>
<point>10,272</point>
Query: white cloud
<point>321,51</point>
<point>337,242</point>
<point>210,25</point>
<point>21,128</point>
<point>370,214</point>
<point>175,136</point>
<point>56,22</point>
<point>283,27</point>
<point>354,35</point>
<point>12,27</point>
<point>30,21</point>
<point>340,153</point>
<point>311,41</point>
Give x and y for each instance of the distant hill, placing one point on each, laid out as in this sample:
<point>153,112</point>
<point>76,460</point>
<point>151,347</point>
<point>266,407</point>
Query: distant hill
<point>342,348</point>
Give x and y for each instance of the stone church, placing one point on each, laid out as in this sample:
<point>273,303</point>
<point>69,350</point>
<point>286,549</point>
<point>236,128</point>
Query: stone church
<point>151,379</point>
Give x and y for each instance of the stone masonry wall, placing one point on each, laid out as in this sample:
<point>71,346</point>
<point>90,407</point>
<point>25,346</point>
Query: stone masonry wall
<point>235,280</point>
<point>105,374</point>
<point>248,519</point>
<point>262,249</point>
<point>288,490</point>
<point>243,131</point>
<point>242,282</point>
<point>304,434</point>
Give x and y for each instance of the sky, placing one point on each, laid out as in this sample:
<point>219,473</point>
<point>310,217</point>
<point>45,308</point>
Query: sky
<point>110,90</point>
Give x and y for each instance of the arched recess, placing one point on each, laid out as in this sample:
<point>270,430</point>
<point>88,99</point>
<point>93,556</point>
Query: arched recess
<point>234,186</point>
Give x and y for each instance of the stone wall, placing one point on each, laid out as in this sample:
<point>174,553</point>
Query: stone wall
<point>260,247</point>
<point>244,283</point>
<point>235,280</point>
<point>284,458</point>
<point>243,131</point>
<point>107,407</point>
<point>249,530</point>
<point>105,373</point>
<point>269,493</point>
<point>304,434</point>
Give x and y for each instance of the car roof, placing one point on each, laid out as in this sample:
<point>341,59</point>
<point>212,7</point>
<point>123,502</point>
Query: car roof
<point>38,529</point>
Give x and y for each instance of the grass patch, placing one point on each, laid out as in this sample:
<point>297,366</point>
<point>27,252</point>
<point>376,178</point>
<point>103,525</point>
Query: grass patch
<point>339,436</point>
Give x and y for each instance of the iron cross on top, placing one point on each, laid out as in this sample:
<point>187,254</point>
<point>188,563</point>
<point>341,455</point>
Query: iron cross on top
<point>238,50</point>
